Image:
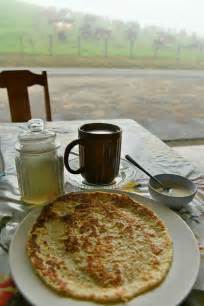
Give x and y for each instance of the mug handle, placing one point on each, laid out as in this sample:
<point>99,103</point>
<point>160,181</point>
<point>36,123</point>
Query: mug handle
<point>66,156</point>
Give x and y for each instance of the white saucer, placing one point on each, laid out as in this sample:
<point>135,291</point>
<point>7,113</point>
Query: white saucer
<point>126,174</point>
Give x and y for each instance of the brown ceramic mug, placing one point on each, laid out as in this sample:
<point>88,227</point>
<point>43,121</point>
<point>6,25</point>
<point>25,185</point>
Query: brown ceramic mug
<point>99,152</point>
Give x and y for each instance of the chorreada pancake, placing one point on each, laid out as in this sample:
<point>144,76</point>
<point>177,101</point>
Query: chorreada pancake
<point>99,246</point>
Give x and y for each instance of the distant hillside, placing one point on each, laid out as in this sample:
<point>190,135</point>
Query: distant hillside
<point>16,16</point>
<point>28,29</point>
<point>21,23</point>
<point>20,17</point>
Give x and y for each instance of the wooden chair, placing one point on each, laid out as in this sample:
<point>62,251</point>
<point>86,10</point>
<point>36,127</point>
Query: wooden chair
<point>17,82</point>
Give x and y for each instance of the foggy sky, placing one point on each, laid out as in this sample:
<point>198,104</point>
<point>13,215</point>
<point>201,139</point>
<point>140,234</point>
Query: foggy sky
<point>173,14</point>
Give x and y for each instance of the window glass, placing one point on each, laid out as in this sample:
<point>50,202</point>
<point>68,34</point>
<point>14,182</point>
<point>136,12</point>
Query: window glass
<point>136,59</point>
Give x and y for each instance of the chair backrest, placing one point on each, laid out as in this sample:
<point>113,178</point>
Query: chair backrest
<point>17,82</point>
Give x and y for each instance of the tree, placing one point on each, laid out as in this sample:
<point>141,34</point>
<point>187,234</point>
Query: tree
<point>118,27</point>
<point>51,14</point>
<point>105,35</point>
<point>86,31</point>
<point>88,26</point>
<point>163,40</point>
<point>132,34</point>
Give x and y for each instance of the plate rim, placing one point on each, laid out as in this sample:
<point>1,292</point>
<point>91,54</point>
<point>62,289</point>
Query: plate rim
<point>136,197</point>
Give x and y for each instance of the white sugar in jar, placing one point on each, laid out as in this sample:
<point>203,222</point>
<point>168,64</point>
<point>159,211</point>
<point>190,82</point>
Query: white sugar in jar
<point>39,166</point>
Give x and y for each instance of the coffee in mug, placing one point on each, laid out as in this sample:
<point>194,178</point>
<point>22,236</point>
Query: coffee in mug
<point>99,152</point>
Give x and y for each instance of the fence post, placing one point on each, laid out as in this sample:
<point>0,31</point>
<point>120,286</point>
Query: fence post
<point>156,50</point>
<point>79,45</point>
<point>106,47</point>
<point>198,58</point>
<point>178,53</point>
<point>131,44</point>
<point>21,45</point>
<point>32,46</point>
<point>50,39</point>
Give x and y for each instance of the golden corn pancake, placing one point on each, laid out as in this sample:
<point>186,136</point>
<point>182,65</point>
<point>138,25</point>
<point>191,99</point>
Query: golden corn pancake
<point>98,246</point>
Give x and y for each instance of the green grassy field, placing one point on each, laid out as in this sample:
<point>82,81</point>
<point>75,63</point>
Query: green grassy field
<point>28,39</point>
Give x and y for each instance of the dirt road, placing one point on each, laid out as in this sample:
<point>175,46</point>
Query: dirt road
<point>170,103</point>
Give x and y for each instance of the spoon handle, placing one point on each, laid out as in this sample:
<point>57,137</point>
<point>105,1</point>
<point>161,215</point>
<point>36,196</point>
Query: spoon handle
<point>130,159</point>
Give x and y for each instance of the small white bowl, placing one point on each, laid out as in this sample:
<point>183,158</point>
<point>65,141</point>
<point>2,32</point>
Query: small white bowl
<point>171,181</point>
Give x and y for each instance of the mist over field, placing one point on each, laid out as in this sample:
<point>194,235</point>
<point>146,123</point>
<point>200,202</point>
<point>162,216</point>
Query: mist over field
<point>109,33</point>
<point>170,14</point>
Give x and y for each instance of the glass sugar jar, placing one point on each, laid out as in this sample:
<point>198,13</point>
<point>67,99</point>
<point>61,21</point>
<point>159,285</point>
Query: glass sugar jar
<point>39,166</point>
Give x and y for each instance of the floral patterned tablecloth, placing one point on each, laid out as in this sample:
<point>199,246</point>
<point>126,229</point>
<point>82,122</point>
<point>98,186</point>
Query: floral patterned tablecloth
<point>156,157</point>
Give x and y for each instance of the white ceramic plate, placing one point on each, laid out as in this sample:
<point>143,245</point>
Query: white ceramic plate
<point>172,291</point>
